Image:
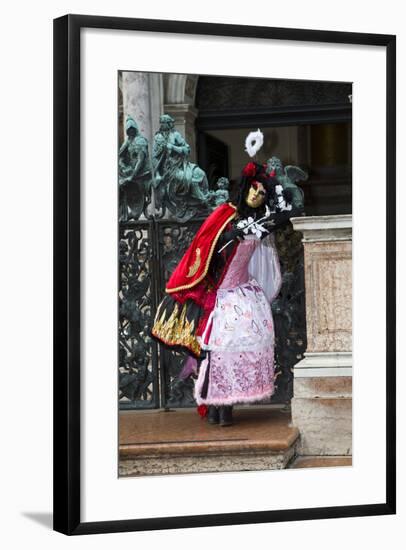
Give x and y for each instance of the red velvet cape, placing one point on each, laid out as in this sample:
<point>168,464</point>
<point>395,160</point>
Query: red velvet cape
<point>193,267</point>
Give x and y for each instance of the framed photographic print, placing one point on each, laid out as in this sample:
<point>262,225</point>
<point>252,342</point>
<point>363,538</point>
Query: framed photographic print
<point>224,303</point>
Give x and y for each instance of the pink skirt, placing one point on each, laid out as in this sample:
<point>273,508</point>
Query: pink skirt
<point>239,339</point>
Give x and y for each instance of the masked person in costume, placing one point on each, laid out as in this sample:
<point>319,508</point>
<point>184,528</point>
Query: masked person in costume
<point>218,300</point>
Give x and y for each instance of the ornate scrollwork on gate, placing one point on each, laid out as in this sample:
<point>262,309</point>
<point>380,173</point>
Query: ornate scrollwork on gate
<point>289,312</point>
<point>137,361</point>
<point>173,241</point>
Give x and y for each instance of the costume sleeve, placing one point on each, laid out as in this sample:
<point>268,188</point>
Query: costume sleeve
<point>265,269</point>
<point>197,261</point>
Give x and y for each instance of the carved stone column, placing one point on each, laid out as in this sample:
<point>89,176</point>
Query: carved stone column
<point>185,116</point>
<point>322,402</point>
<point>143,100</point>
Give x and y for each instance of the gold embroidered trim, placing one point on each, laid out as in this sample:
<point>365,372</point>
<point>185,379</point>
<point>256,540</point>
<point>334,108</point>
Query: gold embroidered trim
<point>176,330</point>
<point>206,269</point>
<point>193,268</point>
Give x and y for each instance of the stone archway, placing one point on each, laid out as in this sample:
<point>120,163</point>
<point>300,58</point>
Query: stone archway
<point>145,96</point>
<point>179,102</point>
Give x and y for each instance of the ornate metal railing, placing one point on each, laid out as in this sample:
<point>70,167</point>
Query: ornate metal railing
<point>148,373</point>
<point>289,312</point>
<point>138,353</point>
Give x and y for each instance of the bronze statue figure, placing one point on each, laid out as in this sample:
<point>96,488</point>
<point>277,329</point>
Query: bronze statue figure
<point>180,185</point>
<point>287,177</point>
<point>134,173</point>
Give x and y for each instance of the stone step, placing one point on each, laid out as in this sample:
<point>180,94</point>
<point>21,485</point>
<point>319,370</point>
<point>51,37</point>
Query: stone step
<point>320,461</point>
<point>179,441</point>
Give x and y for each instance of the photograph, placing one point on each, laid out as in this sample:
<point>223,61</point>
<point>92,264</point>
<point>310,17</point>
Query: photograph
<point>204,290</point>
<point>224,247</point>
<point>234,262</point>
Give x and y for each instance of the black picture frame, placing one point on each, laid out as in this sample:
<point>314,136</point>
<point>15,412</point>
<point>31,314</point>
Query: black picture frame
<point>67,295</point>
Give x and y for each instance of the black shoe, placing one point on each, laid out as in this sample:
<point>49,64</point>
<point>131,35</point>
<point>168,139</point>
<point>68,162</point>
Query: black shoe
<point>226,416</point>
<point>213,415</point>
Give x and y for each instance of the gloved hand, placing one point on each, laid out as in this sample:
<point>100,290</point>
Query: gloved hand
<point>233,234</point>
<point>270,227</point>
<point>228,236</point>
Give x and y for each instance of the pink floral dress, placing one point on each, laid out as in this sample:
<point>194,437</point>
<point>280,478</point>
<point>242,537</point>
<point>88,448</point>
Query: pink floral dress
<point>239,338</point>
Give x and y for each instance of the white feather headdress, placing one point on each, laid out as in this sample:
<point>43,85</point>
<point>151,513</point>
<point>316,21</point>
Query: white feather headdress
<point>253,142</point>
